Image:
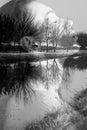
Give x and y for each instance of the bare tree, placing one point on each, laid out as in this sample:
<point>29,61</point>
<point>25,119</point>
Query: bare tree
<point>60,34</point>
<point>67,41</point>
<point>46,29</point>
<point>55,36</point>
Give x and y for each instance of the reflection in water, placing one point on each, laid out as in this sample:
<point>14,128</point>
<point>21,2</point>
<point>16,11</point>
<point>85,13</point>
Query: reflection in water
<point>30,90</point>
<point>73,90</point>
<point>74,76</point>
<point>38,96</point>
<point>15,77</point>
<point>76,62</point>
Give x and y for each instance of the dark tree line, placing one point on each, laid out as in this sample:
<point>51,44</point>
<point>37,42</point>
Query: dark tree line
<point>13,30</point>
<point>82,40</point>
<point>25,33</point>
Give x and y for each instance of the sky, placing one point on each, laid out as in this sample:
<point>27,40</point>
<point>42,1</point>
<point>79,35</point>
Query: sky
<point>75,10</point>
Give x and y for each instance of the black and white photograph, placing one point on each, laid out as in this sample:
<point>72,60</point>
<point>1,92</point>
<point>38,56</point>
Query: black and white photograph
<point>43,65</point>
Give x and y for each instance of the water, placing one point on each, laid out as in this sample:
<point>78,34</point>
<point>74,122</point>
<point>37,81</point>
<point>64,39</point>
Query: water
<point>73,90</point>
<point>28,93</point>
<point>47,95</point>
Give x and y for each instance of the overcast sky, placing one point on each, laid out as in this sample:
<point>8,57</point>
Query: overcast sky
<point>72,9</point>
<point>75,10</point>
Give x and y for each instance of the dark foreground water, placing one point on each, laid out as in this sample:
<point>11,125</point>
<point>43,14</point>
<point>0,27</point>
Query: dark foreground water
<point>28,93</point>
<point>47,95</point>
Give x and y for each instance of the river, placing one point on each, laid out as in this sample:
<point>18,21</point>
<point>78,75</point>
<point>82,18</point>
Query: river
<point>44,95</point>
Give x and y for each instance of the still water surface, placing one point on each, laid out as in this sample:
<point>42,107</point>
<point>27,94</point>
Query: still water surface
<point>32,91</point>
<point>28,93</point>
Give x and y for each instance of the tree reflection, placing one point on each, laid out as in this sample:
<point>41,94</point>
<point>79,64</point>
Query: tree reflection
<point>21,78</point>
<point>18,77</point>
<point>53,71</point>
